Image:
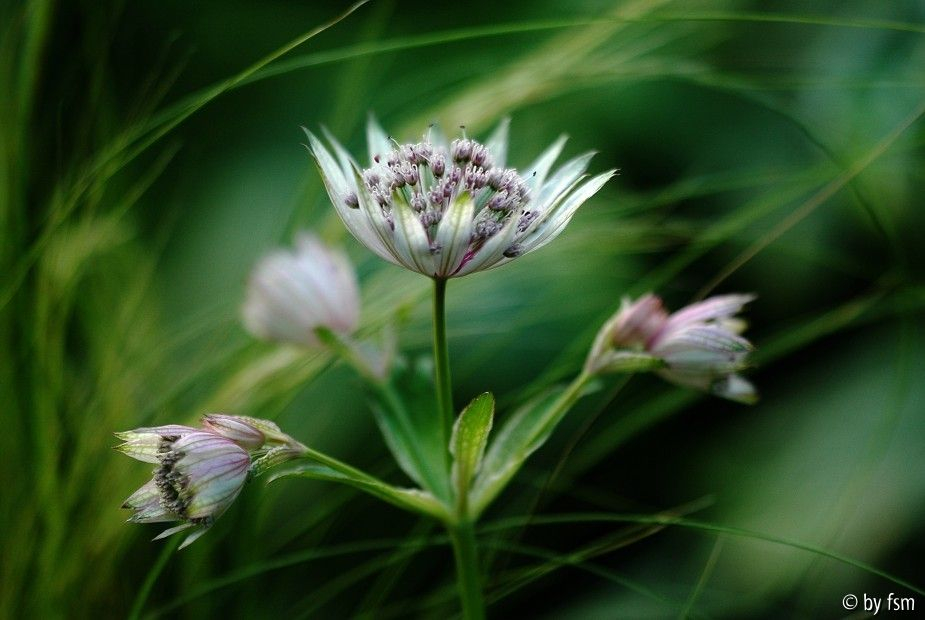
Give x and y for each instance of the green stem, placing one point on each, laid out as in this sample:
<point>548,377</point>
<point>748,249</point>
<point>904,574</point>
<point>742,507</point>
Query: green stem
<point>348,351</point>
<point>408,499</point>
<point>461,531</point>
<point>442,362</point>
<point>433,481</point>
<point>156,569</point>
<point>468,575</point>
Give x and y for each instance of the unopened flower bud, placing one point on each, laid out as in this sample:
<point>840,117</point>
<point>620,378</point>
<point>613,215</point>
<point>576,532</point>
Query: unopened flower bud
<point>200,472</point>
<point>291,294</point>
<point>198,476</point>
<point>638,322</point>
<point>237,429</point>
<point>698,346</point>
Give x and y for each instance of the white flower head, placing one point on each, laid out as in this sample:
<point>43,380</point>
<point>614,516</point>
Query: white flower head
<point>447,209</point>
<point>292,293</point>
<point>698,346</point>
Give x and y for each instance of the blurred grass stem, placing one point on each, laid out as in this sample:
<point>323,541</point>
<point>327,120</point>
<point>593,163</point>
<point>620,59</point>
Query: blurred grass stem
<point>156,569</point>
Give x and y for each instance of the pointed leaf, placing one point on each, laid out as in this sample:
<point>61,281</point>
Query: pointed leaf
<point>535,173</point>
<point>470,436</point>
<point>522,433</point>
<point>409,421</point>
<point>554,223</point>
<point>563,179</point>
<point>377,141</point>
<point>411,240</point>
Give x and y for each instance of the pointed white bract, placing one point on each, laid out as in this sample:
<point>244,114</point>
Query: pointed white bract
<point>698,346</point>
<point>199,472</point>
<point>292,293</point>
<point>143,443</point>
<point>449,209</point>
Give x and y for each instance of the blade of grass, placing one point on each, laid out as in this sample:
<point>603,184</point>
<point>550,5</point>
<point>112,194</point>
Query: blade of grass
<point>548,520</point>
<point>818,199</point>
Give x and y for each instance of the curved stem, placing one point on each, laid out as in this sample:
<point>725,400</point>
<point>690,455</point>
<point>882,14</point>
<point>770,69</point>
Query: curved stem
<point>468,575</point>
<point>347,350</point>
<point>142,597</point>
<point>442,362</point>
<point>414,500</point>
<point>343,346</point>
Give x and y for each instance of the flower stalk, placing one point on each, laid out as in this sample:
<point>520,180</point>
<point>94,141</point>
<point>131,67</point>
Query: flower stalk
<point>461,530</point>
<point>442,378</point>
<point>468,575</point>
<point>408,500</point>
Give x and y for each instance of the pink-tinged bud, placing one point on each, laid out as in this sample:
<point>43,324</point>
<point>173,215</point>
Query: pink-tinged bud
<point>698,338</point>
<point>200,472</point>
<point>199,475</point>
<point>699,346</point>
<point>145,504</point>
<point>291,294</point>
<point>638,322</point>
<point>237,429</point>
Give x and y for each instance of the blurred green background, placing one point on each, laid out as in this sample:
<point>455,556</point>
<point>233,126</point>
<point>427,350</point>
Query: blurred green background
<point>144,168</point>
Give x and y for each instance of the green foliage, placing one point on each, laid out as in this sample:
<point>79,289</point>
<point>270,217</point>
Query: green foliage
<point>467,445</point>
<point>410,422</point>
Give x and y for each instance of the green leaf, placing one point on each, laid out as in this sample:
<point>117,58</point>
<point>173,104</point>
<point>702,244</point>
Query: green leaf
<point>409,421</point>
<point>517,439</point>
<point>467,445</point>
<point>414,500</point>
<point>523,433</point>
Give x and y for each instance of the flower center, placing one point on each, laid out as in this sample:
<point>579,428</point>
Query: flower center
<point>430,181</point>
<point>171,483</point>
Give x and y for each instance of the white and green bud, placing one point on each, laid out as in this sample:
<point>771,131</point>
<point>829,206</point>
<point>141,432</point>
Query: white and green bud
<point>292,294</point>
<point>449,209</point>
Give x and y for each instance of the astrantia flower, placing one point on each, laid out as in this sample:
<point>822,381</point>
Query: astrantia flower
<point>698,346</point>
<point>199,472</point>
<point>198,476</point>
<point>291,294</point>
<point>450,209</point>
